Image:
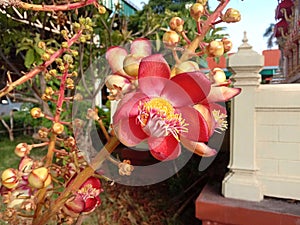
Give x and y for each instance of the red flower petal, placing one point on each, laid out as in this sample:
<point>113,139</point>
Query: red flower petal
<point>174,93</point>
<point>198,148</point>
<point>91,204</point>
<point>195,84</point>
<point>128,106</point>
<point>222,94</point>
<point>197,126</point>
<point>153,86</point>
<point>141,46</point>
<point>129,131</point>
<point>115,56</point>
<point>165,148</point>
<point>154,65</point>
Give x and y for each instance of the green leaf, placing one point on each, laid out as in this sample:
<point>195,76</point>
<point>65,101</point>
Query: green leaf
<point>29,58</point>
<point>24,47</point>
<point>38,50</point>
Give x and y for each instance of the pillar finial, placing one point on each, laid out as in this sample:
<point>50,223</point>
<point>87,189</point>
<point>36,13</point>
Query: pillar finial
<point>245,44</point>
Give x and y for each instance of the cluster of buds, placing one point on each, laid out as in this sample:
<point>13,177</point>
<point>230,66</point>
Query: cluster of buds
<point>20,185</point>
<point>218,48</point>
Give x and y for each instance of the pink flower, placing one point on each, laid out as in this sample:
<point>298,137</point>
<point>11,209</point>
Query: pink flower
<point>86,199</point>
<point>125,66</point>
<point>161,111</point>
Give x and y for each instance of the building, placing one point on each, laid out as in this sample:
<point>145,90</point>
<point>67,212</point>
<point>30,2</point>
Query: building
<point>127,7</point>
<point>270,69</point>
<point>287,32</point>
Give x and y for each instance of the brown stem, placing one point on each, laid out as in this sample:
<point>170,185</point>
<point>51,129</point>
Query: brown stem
<point>102,127</point>
<point>51,8</point>
<point>78,181</point>
<point>35,71</point>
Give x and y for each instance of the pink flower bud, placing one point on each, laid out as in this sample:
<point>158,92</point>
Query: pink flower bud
<point>22,149</point>
<point>227,44</point>
<point>10,178</point>
<point>26,164</point>
<point>187,66</point>
<point>197,11</point>
<point>36,113</point>
<point>57,128</point>
<point>215,49</point>
<point>176,24</point>
<point>171,38</point>
<point>203,2</point>
<point>92,114</point>
<point>39,178</point>
<point>217,76</point>
<point>231,16</point>
<point>131,64</point>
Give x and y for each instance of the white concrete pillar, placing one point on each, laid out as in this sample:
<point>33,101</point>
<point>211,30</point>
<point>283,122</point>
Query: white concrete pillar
<point>241,181</point>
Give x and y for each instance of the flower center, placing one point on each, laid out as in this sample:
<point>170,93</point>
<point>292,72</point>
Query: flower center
<point>158,118</point>
<point>220,119</point>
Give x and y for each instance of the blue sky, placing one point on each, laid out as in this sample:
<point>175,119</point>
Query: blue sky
<point>256,18</point>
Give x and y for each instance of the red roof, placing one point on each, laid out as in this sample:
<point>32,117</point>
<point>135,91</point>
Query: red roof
<point>272,58</point>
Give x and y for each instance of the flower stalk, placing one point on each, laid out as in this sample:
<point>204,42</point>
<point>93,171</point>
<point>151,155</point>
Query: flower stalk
<point>52,8</point>
<point>191,48</point>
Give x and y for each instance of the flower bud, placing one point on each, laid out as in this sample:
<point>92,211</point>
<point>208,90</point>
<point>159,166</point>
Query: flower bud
<point>92,114</point>
<point>68,58</point>
<point>10,178</point>
<point>70,142</point>
<point>187,66</point>
<point>131,64</point>
<point>64,44</point>
<point>22,149</point>
<point>70,83</point>
<point>197,11</point>
<point>43,132</point>
<point>176,24</point>
<point>39,178</point>
<point>57,128</point>
<point>215,49</point>
<point>36,113</point>
<point>125,168</point>
<point>49,91</point>
<point>101,9</point>
<point>202,2</point>
<point>171,38</point>
<point>42,45</point>
<point>227,44</point>
<point>217,76</point>
<point>53,72</point>
<point>231,16</point>
<point>26,164</point>
<point>45,57</point>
